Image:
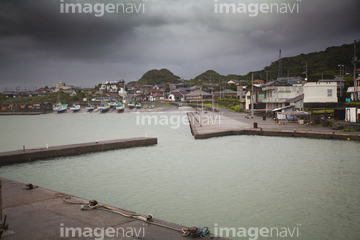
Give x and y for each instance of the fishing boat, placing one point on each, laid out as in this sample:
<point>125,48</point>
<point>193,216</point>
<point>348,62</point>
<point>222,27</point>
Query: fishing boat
<point>113,104</point>
<point>131,105</point>
<point>75,107</point>
<point>138,105</point>
<point>90,108</point>
<point>60,108</point>
<point>120,107</point>
<point>104,107</point>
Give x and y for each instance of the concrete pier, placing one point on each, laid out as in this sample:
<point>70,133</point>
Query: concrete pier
<point>228,124</point>
<point>27,155</point>
<point>41,214</point>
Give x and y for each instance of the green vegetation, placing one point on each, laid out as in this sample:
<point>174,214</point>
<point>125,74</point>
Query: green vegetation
<point>209,75</point>
<point>323,64</point>
<point>353,104</point>
<point>347,130</point>
<point>52,98</point>
<point>325,111</point>
<point>155,76</point>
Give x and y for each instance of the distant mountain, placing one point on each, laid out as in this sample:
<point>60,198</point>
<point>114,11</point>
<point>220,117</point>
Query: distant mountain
<point>161,76</point>
<point>209,75</point>
<point>320,64</point>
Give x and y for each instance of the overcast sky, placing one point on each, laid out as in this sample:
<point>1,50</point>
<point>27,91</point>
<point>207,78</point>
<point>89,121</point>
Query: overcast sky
<point>40,46</point>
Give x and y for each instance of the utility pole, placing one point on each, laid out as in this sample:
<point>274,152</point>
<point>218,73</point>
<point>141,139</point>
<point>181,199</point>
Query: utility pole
<point>280,66</point>
<point>340,78</point>
<point>267,76</point>
<point>288,76</point>
<point>355,60</point>
<point>252,99</point>
<point>307,76</point>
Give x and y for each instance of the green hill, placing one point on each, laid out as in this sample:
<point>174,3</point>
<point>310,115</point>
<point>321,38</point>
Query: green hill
<point>323,64</point>
<point>320,64</point>
<point>161,76</point>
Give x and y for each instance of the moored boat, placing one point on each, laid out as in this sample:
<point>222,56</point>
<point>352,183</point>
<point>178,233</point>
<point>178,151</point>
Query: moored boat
<point>113,104</point>
<point>104,107</point>
<point>120,107</point>
<point>60,108</point>
<point>90,108</point>
<point>138,105</point>
<point>131,105</point>
<point>75,108</point>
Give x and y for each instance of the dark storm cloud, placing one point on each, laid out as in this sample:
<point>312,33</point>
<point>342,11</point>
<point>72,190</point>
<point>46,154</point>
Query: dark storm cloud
<point>42,45</point>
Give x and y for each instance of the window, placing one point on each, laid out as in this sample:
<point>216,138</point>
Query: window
<point>330,92</point>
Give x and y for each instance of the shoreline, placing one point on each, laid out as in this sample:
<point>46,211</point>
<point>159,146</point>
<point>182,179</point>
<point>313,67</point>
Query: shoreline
<point>228,124</point>
<point>49,214</point>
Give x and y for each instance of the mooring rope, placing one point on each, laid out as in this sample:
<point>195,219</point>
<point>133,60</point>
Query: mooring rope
<point>93,204</point>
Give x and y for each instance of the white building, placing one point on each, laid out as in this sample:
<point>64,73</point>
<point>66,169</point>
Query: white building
<point>315,92</point>
<point>355,91</point>
<point>277,96</point>
<point>352,115</point>
<point>112,86</point>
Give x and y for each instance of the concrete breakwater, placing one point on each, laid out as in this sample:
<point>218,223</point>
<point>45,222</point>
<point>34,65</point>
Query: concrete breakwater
<point>204,132</point>
<point>27,155</point>
<point>48,214</point>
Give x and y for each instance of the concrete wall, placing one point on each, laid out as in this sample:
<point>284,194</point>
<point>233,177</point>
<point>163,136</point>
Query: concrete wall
<point>28,155</point>
<point>319,92</point>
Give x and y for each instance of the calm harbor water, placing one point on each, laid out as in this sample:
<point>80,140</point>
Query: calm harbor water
<point>237,181</point>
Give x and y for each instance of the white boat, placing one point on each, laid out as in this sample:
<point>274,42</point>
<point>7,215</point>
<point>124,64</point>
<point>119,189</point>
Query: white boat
<point>131,105</point>
<point>138,105</point>
<point>120,107</point>
<point>75,108</point>
<point>113,104</point>
<point>59,108</point>
<point>90,108</point>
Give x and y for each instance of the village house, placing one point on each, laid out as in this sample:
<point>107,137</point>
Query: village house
<point>258,97</point>
<point>197,95</point>
<point>279,96</point>
<point>175,86</point>
<point>236,82</point>
<point>176,96</point>
<point>159,87</point>
<point>225,93</point>
<point>355,91</point>
<point>63,87</point>
<point>145,88</point>
<point>240,93</point>
<point>339,81</point>
<point>157,97</point>
<point>112,86</point>
<point>315,92</point>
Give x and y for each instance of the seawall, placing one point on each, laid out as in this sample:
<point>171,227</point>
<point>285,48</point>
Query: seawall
<point>206,133</point>
<point>27,155</point>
